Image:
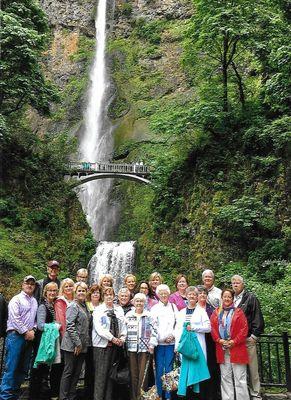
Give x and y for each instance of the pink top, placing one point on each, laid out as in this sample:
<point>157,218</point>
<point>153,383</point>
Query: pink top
<point>150,302</point>
<point>61,305</point>
<point>177,299</point>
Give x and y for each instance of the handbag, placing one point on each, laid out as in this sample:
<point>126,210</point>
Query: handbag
<point>150,394</point>
<point>187,344</point>
<point>170,380</point>
<point>120,374</point>
<point>119,371</point>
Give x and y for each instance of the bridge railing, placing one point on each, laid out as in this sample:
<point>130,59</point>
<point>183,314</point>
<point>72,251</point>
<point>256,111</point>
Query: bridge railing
<point>87,167</point>
<point>273,355</point>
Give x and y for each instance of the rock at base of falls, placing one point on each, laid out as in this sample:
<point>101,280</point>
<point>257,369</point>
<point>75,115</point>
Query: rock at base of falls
<point>114,258</point>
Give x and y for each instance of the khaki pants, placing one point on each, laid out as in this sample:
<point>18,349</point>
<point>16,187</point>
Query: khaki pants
<point>255,385</point>
<point>233,380</point>
<point>137,365</point>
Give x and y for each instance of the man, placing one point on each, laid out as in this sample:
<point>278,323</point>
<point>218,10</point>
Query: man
<point>21,327</point>
<point>214,293</point>
<point>248,302</point>
<point>53,270</point>
<point>82,275</point>
<point>3,316</point>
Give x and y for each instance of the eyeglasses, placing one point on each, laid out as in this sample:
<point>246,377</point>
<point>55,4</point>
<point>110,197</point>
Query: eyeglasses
<point>29,283</point>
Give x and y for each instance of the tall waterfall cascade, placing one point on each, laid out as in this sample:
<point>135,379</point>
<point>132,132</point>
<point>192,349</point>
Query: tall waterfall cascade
<point>114,258</point>
<point>96,145</point>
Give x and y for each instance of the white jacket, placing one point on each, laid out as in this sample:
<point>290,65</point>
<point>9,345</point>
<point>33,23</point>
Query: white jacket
<point>101,334</point>
<point>165,318</point>
<point>200,324</point>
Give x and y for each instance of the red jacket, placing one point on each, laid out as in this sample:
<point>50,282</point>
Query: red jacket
<point>238,333</point>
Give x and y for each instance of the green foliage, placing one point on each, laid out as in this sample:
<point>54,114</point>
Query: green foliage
<point>149,31</point>
<point>244,215</point>
<point>23,38</point>
<point>126,9</point>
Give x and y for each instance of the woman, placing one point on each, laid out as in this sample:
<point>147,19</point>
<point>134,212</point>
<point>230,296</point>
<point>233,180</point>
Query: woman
<point>105,281</point>
<point>109,333</point>
<point>93,297</point>
<point>179,297</point>
<point>155,280</point>
<point>229,331</point>
<point>66,296</point>
<point>141,340</point>
<point>124,300</point>
<point>144,288</point>
<point>165,316</point>
<point>192,371</point>
<point>130,283</point>
<point>93,301</point>
<point>40,375</point>
<point>209,389</point>
<point>75,342</point>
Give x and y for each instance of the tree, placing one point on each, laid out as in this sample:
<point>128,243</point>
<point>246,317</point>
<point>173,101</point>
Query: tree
<point>23,39</point>
<point>222,38</point>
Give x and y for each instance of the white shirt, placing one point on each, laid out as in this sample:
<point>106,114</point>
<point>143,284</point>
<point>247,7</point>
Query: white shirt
<point>237,299</point>
<point>200,323</point>
<point>165,318</point>
<point>214,296</point>
<point>101,334</point>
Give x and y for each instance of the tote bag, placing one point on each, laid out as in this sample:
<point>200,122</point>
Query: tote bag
<point>187,344</point>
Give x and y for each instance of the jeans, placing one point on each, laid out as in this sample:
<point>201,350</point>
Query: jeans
<point>164,356</point>
<point>17,361</point>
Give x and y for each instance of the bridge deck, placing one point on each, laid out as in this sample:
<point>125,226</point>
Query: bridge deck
<point>93,168</point>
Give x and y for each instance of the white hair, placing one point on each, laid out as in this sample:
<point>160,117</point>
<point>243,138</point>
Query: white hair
<point>163,287</point>
<point>124,290</point>
<point>237,278</point>
<point>140,296</point>
<point>208,271</point>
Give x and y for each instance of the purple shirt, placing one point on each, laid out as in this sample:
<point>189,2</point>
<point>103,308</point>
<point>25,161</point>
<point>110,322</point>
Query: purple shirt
<point>177,299</point>
<point>22,313</point>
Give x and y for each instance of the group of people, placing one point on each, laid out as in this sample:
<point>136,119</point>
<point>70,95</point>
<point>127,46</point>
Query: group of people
<point>57,329</point>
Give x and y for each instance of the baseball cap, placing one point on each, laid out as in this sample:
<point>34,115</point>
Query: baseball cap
<point>53,263</point>
<point>28,278</point>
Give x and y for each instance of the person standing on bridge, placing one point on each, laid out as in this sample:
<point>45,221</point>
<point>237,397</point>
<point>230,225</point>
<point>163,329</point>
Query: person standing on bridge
<point>21,327</point>
<point>250,305</point>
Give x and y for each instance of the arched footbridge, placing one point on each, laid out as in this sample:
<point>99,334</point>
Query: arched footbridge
<point>83,172</point>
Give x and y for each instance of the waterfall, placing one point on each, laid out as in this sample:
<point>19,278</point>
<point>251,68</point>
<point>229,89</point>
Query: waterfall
<point>112,258</point>
<point>96,143</point>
